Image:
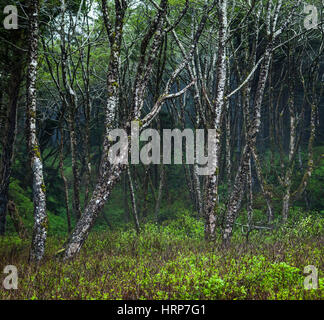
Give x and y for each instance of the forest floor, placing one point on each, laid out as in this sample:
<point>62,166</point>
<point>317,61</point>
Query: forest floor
<point>173,262</point>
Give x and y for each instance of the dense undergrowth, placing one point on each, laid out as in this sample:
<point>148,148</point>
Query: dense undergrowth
<point>174,262</point>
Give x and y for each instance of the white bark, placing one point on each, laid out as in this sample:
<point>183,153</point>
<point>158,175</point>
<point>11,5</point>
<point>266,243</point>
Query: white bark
<point>212,189</point>
<point>39,198</point>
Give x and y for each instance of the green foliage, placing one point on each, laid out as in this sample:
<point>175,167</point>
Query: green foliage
<point>22,200</point>
<point>186,226</point>
<point>173,262</point>
<point>57,224</point>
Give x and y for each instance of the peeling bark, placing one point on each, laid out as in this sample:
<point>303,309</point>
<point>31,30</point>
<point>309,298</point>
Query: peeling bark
<point>211,198</point>
<point>39,197</point>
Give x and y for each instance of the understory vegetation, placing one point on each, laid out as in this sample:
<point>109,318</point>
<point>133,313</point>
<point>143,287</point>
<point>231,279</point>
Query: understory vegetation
<point>173,261</point>
<point>170,259</point>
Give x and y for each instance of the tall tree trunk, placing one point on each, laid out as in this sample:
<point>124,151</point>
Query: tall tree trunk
<point>133,200</point>
<point>65,185</point>
<point>289,170</point>
<point>265,189</point>
<point>125,195</point>
<point>228,143</point>
<point>292,140</point>
<point>70,102</point>
<point>241,176</point>
<point>75,166</point>
<point>145,191</point>
<point>87,114</point>
<point>160,193</point>
<point>109,175</point>
<point>310,161</point>
<point>39,197</point>
<point>212,189</point>
<point>88,150</point>
<point>197,187</point>
<point>249,196</point>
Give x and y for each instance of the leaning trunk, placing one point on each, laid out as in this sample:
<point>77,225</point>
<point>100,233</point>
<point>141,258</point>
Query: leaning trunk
<point>235,198</point>
<point>99,197</point>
